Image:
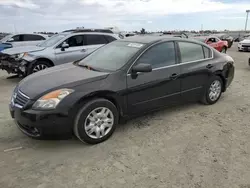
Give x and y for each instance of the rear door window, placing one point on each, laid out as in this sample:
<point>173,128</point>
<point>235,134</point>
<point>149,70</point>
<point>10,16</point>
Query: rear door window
<point>95,39</point>
<point>109,38</point>
<point>190,52</point>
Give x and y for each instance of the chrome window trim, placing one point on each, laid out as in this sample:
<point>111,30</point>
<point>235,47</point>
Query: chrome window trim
<point>177,64</point>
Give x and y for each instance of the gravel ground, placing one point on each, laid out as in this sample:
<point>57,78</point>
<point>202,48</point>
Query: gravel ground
<point>192,146</point>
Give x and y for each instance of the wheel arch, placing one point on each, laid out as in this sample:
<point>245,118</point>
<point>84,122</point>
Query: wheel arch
<point>105,94</point>
<point>45,59</point>
<point>220,74</point>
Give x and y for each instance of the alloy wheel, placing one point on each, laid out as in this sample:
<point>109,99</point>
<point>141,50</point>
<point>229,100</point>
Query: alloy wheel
<point>39,67</point>
<point>215,90</point>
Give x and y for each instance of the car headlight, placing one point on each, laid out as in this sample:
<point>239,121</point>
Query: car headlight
<point>52,99</point>
<point>19,56</point>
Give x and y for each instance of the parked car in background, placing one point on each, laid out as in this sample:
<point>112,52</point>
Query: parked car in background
<point>96,30</point>
<point>16,40</point>
<point>214,42</point>
<point>244,45</point>
<point>2,35</point>
<point>58,49</point>
<point>225,37</point>
<point>124,78</point>
<point>241,38</point>
<point>175,34</point>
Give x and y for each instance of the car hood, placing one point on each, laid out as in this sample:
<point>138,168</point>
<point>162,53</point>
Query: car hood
<point>245,41</point>
<point>18,50</point>
<point>62,76</point>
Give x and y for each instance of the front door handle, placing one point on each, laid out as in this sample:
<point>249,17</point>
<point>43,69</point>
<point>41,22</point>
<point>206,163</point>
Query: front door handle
<point>209,66</point>
<point>173,76</point>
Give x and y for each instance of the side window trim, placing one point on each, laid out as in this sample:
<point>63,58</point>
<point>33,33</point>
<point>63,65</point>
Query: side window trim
<point>138,57</point>
<point>211,54</point>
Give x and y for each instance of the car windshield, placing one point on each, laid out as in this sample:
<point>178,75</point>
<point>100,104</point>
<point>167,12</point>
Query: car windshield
<point>52,40</point>
<point>112,56</point>
<point>4,39</point>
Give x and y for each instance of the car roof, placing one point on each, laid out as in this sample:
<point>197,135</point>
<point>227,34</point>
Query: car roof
<point>152,39</point>
<point>84,33</point>
<point>12,34</point>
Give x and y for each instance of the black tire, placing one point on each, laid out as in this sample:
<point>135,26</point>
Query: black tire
<point>79,129</point>
<point>230,44</point>
<point>224,50</point>
<point>205,98</point>
<point>30,69</point>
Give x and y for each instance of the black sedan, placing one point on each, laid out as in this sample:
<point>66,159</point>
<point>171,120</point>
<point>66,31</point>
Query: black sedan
<point>122,79</point>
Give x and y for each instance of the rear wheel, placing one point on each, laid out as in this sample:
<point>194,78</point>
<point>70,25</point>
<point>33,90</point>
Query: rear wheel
<point>96,121</point>
<point>38,66</point>
<point>213,91</point>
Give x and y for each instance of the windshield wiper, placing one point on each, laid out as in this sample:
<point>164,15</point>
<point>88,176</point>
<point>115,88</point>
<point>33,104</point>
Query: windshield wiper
<point>88,67</point>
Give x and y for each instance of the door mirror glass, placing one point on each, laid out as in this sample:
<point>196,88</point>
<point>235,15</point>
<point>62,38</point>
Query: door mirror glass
<point>10,40</point>
<point>142,67</point>
<point>64,45</point>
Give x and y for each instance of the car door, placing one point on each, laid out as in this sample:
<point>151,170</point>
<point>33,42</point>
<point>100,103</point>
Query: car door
<point>74,52</point>
<point>196,64</point>
<point>158,88</point>
<point>94,41</point>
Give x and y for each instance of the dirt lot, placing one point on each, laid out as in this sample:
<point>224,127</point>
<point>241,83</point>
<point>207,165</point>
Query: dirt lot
<point>191,146</point>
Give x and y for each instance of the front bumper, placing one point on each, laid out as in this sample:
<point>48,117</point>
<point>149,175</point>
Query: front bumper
<point>245,48</point>
<point>40,124</point>
<point>12,65</point>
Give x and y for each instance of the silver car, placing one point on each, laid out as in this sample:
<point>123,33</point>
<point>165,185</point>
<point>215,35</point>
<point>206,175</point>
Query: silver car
<point>23,39</point>
<point>58,49</point>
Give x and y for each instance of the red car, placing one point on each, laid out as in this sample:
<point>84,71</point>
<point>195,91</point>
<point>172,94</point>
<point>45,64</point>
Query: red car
<point>214,42</point>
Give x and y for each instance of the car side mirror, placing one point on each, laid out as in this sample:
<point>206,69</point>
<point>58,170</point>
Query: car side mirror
<point>64,45</point>
<point>142,67</point>
<point>10,40</point>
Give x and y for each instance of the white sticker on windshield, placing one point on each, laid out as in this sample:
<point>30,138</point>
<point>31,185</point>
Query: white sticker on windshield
<point>135,45</point>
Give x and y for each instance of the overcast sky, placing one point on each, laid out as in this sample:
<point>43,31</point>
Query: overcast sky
<point>58,15</point>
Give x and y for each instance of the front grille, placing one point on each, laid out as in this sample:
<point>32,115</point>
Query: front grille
<point>21,99</point>
<point>246,45</point>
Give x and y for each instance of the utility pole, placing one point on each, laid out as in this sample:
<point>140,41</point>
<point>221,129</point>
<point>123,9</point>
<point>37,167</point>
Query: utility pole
<point>247,11</point>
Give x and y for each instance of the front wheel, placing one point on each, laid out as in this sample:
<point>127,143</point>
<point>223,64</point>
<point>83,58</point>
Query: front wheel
<point>213,91</point>
<point>38,66</point>
<point>96,121</point>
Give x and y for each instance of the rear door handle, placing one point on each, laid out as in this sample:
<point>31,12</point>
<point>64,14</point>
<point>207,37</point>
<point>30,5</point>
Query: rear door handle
<point>173,76</point>
<point>209,66</point>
